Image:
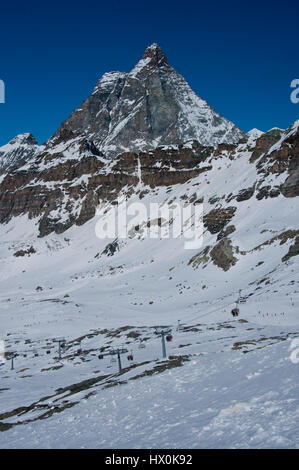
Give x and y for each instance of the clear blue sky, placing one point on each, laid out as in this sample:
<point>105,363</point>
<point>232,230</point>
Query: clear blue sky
<point>240,56</point>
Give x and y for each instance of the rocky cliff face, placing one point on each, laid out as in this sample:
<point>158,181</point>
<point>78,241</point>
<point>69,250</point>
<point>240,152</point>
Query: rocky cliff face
<point>148,107</point>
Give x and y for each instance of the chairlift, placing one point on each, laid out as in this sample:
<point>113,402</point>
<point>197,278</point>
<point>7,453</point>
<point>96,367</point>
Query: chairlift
<point>100,356</point>
<point>169,338</point>
<point>130,357</point>
<point>48,352</point>
<point>235,312</point>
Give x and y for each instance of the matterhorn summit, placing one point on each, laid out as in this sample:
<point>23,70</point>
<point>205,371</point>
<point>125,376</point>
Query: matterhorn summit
<point>148,107</point>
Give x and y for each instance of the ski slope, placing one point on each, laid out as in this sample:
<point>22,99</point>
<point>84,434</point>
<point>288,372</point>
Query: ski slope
<point>226,383</point>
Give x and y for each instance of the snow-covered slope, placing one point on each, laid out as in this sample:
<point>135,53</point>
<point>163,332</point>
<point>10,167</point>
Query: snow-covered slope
<point>209,394</point>
<point>113,293</point>
<point>218,398</point>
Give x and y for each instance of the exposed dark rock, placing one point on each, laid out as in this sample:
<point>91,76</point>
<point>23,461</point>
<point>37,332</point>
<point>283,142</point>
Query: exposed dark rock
<point>111,248</point>
<point>275,192</point>
<point>245,194</point>
<point>263,192</point>
<point>264,143</point>
<point>290,188</point>
<point>226,232</point>
<point>293,250</point>
<point>29,251</point>
<point>200,258</point>
<point>222,254</point>
<point>217,219</point>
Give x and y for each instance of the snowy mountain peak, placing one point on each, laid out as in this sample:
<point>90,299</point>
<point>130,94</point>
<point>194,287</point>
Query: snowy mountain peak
<point>255,133</point>
<point>148,107</point>
<point>156,55</point>
<point>22,139</point>
<point>17,152</point>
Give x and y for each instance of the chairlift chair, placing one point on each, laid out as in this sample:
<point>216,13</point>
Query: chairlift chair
<point>235,312</point>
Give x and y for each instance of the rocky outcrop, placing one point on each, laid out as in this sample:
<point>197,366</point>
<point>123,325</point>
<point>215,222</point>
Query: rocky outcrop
<point>222,254</point>
<point>226,232</point>
<point>200,258</point>
<point>67,192</point>
<point>264,143</point>
<point>217,219</point>
<point>245,194</point>
<point>290,188</point>
<point>293,251</point>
